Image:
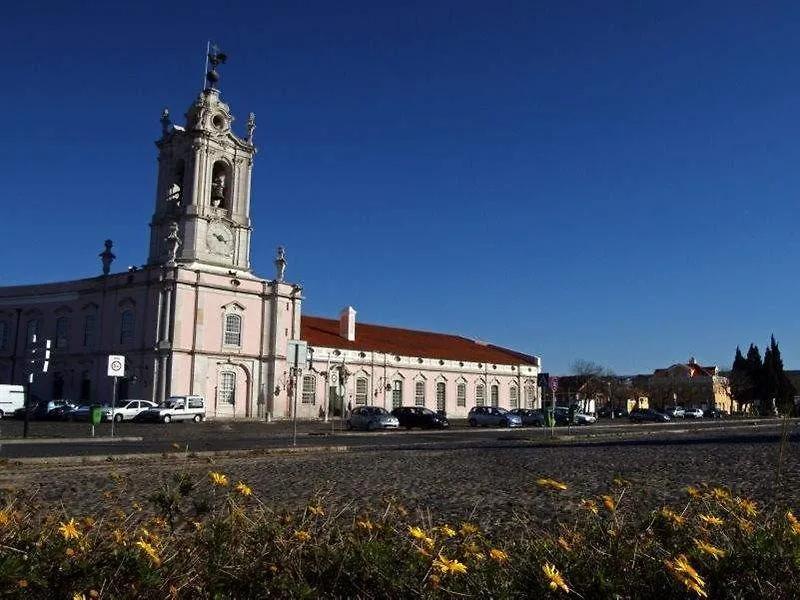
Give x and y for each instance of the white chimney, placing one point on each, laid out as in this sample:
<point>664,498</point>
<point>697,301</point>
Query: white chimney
<point>347,323</point>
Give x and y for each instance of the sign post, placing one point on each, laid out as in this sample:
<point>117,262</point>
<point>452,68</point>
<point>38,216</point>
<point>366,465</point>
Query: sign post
<point>296,356</point>
<point>553,388</point>
<point>116,368</point>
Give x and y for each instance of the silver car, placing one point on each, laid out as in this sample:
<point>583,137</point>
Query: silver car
<point>492,416</point>
<point>371,417</point>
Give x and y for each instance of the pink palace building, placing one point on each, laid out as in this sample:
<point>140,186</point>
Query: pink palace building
<point>196,319</point>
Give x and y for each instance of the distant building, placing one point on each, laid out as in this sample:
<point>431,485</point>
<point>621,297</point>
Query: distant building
<point>689,385</point>
<point>196,320</point>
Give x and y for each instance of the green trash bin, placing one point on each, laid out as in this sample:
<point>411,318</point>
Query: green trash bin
<point>95,414</point>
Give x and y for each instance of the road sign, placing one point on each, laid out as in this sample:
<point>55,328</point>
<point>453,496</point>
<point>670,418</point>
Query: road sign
<point>116,365</point>
<point>553,384</point>
<point>296,353</point>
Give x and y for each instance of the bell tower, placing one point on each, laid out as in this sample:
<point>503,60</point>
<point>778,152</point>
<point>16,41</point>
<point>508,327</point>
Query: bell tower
<point>202,207</point>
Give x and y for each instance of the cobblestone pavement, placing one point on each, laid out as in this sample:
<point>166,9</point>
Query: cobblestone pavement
<point>486,484</point>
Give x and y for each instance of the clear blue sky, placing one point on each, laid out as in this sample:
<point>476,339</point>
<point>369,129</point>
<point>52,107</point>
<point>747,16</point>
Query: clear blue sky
<point>608,181</point>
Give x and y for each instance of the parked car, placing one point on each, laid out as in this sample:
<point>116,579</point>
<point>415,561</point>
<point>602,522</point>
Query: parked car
<point>42,410</point>
<point>492,416</point>
<point>419,416</point>
<point>371,417</point>
<point>605,412</point>
<point>176,408</point>
<point>714,413</point>
<point>79,413</point>
<point>638,415</point>
<point>59,412</point>
<point>127,410</point>
<point>582,418</point>
<point>693,413</point>
<point>529,416</point>
<point>675,412</point>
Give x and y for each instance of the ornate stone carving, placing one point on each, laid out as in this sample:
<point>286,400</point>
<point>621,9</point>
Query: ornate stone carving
<point>107,257</point>
<point>173,240</point>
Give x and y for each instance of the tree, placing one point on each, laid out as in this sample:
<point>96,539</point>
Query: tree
<point>754,374</point>
<point>739,381</point>
<point>775,384</point>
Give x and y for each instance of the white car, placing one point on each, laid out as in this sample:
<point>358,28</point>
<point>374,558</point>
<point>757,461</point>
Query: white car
<point>585,418</point>
<point>693,413</point>
<point>176,408</point>
<point>126,410</point>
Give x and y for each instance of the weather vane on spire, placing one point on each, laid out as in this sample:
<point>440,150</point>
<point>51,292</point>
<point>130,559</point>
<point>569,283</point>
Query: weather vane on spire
<point>214,58</point>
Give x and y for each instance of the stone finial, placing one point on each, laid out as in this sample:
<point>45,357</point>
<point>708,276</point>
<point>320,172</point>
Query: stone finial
<point>251,127</point>
<point>173,241</point>
<point>107,257</point>
<point>280,264</point>
<point>165,122</point>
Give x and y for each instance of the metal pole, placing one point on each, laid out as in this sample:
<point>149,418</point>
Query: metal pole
<point>113,405</point>
<point>27,405</point>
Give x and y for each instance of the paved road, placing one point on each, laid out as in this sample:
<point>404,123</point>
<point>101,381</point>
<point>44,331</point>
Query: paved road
<point>57,439</point>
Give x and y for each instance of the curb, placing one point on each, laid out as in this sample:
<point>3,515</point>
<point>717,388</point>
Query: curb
<point>89,440</point>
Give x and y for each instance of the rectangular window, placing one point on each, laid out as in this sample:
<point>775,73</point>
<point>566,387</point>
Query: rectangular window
<point>480,395</point>
<point>441,399</point>
<point>89,328</point>
<point>461,394</point>
<point>513,397</point>
<point>419,393</point>
<point>233,330</point>
<point>32,332</point>
<point>361,390</point>
<point>309,389</point>
<point>530,397</point>
<point>227,387</point>
<point>62,332</point>
<point>495,395</point>
<point>126,328</point>
<point>397,393</point>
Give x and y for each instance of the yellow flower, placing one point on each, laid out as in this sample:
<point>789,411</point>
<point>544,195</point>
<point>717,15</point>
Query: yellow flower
<point>149,551</point>
<point>302,535</point>
<point>159,522</point>
<point>69,552</point>
<point>78,596</point>
<point>419,534</point>
<point>608,503</point>
<point>449,567</point>
<point>748,507</point>
<point>709,549</point>
<point>564,544</point>
<point>685,573</point>
<point>673,517</point>
<point>589,505</point>
<point>5,518</point>
<point>468,529</point>
<point>70,530</point>
<point>498,555</point>
<point>794,524</point>
<point>693,492</point>
<point>316,510</point>
<point>471,549</point>
<point>745,526</point>
<point>366,525</point>
<point>243,489</point>
<point>218,479</point>
<point>22,583</point>
<point>619,482</point>
<point>118,536</point>
<point>711,520</point>
<point>554,577</point>
<point>136,506</point>
<point>546,482</point>
<point>720,494</point>
<point>447,531</point>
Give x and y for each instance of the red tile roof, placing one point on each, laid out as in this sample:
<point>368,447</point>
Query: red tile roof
<point>318,331</point>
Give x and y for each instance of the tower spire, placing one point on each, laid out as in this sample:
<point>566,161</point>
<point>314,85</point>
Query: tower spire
<point>214,58</point>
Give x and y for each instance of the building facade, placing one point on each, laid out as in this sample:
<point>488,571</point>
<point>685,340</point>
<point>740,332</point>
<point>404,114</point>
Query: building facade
<point>195,319</point>
<point>690,385</point>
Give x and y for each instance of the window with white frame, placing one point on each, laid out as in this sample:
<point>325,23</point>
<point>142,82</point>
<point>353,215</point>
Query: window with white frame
<point>309,389</point>
<point>530,395</point>
<point>495,391</point>
<point>480,395</point>
<point>513,397</point>
<point>397,393</point>
<point>361,390</point>
<point>62,332</point>
<point>31,331</point>
<point>89,331</point>
<point>419,393</point>
<point>3,335</point>
<point>441,398</point>
<point>461,394</point>
<point>233,331</point>
<point>127,322</point>
<point>227,387</point>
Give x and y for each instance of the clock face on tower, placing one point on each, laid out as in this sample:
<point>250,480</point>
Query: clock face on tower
<point>219,238</point>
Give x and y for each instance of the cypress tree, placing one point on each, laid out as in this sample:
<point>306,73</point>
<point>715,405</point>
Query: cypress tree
<point>754,376</point>
<point>738,380</point>
<point>776,383</point>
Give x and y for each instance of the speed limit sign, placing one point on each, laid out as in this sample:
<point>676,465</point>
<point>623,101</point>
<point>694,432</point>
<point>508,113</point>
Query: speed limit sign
<point>116,366</point>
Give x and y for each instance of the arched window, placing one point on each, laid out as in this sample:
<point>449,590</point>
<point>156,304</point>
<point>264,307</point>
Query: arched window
<point>3,335</point>
<point>397,393</point>
<point>480,395</point>
<point>419,393</point>
<point>227,387</point>
<point>513,397</point>
<point>441,398</point>
<point>361,390</point>
<point>309,389</point>
<point>233,331</point>
<point>62,334</point>
<point>126,327</point>
<point>461,394</point>
<point>495,389</point>
<point>220,185</point>
<point>530,395</point>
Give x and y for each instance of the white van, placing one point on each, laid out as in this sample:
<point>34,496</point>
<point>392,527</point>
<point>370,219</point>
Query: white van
<point>12,397</point>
